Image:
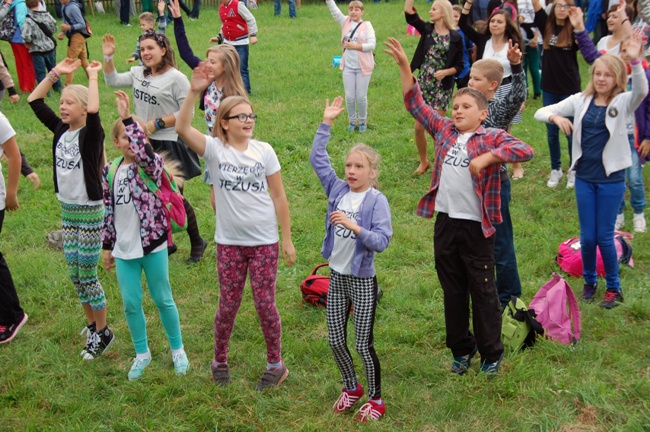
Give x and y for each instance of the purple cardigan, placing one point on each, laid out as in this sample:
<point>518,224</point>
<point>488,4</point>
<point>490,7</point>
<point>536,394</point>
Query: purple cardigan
<point>642,113</point>
<point>374,214</point>
<point>153,221</point>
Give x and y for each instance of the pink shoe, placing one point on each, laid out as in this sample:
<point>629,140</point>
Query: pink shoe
<point>371,410</point>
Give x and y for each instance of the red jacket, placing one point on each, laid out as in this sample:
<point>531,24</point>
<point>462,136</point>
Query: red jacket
<point>234,26</point>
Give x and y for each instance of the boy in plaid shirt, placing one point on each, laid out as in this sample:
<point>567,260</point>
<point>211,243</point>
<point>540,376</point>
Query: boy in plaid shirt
<point>465,190</point>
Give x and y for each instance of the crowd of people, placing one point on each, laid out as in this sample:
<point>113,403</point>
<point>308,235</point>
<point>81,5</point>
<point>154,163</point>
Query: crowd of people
<point>110,212</point>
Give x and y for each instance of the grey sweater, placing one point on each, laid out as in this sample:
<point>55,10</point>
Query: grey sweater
<point>32,34</point>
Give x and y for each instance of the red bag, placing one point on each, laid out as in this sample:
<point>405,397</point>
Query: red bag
<point>315,287</point>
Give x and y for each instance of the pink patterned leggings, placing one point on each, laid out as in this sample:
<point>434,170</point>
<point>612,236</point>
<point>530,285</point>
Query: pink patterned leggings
<point>233,263</point>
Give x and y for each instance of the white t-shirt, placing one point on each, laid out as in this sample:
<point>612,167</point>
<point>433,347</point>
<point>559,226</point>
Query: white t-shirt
<point>344,239</point>
<point>127,223</point>
<point>352,56</point>
<point>6,133</point>
<point>501,56</point>
<point>456,195</point>
<point>246,214</point>
<point>602,46</point>
<point>69,171</point>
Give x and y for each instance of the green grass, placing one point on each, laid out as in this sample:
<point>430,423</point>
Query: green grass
<point>601,384</point>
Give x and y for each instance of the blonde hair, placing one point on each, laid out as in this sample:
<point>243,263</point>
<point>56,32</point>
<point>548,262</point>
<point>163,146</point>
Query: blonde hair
<point>447,13</point>
<point>225,108</point>
<point>616,65</point>
<point>371,156</point>
<point>78,92</point>
<point>148,18</point>
<point>491,69</point>
<point>355,4</point>
<point>233,83</point>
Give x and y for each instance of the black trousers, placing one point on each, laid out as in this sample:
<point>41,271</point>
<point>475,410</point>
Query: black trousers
<point>465,265</point>
<point>10,310</point>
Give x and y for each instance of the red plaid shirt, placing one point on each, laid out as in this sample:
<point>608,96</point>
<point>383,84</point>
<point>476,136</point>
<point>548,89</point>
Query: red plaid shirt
<point>487,186</point>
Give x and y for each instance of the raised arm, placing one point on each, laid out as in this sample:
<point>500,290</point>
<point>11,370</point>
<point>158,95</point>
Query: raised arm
<point>66,66</point>
<point>191,136</point>
<point>182,42</point>
<point>93,86</point>
<point>408,7</point>
<point>336,12</point>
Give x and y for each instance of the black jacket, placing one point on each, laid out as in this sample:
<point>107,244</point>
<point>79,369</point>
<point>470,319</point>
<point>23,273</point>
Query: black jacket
<point>455,56</point>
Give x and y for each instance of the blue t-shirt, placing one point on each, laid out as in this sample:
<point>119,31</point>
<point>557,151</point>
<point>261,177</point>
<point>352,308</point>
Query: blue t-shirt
<point>467,59</point>
<point>594,137</point>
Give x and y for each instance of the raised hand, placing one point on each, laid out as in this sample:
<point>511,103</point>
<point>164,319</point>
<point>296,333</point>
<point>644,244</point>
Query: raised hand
<point>395,50</point>
<point>161,7</point>
<point>633,47</point>
<point>576,17</point>
<point>93,68</point>
<point>200,78</point>
<point>332,111</point>
<point>514,53</point>
<point>108,45</point>
<point>66,66</point>
<point>122,103</point>
<point>174,8</point>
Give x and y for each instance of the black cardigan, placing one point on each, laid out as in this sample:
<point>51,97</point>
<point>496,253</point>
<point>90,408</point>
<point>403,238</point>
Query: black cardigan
<point>455,56</point>
<point>91,146</point>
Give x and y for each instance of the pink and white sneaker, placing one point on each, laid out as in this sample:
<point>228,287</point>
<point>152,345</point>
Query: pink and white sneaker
<point>370,411</point>
<point>347,399</point>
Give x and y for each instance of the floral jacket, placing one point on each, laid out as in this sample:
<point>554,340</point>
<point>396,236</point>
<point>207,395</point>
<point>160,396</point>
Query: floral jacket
<point>153,222</point>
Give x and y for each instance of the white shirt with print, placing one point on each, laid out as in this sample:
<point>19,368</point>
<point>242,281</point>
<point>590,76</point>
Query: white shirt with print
<point>344,239</point>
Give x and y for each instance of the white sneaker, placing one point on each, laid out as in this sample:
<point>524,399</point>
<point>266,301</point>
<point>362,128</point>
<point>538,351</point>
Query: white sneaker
<point>639,223</point>
<point>620,222</point>
<point>554,178</point>
<point>571,179</point>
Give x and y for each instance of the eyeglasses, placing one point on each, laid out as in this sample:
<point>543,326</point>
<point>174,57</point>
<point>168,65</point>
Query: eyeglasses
<point>242,117</point>
<point>562,7</point>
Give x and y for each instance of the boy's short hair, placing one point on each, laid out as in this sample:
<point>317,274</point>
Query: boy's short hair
<point>355,4</point>
<point>148,18</point>
<point>32,3</point>
<point>481,100</point>
<point>457,8</point>
<point>491,69</point>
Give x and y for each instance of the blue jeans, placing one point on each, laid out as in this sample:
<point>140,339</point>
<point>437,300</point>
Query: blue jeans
<point>277,8</point>
<point>634,176</point>
<point>505,260</point>
<point>43,63</point>
<point>553,132</point>
<point>597,207</point>
<point>242,50</point>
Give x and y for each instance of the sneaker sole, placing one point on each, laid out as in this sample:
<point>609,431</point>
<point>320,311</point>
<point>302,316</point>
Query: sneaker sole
<point>18,327</point>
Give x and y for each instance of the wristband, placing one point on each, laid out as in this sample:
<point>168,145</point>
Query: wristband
<point>53,76</point>
<point>635,62</point>
<point>108,58</point>
<point>92,78</point>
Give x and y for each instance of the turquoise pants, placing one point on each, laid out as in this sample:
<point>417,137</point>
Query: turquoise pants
<point>129,277</point>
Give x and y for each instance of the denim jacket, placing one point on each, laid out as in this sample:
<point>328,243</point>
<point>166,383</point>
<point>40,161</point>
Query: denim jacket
<point>153,221</point>
<point>374,213</point>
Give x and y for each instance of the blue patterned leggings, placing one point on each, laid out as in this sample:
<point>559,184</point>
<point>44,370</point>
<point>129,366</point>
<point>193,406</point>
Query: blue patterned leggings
<point>82,245</point>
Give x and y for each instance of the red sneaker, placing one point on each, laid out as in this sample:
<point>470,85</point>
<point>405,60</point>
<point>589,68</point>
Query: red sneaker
<point>371,410</point>
<point>347,399</point>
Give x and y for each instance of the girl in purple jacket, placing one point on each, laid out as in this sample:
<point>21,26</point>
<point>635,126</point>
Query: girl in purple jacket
<point>134,238</point>
<point>357,226</point>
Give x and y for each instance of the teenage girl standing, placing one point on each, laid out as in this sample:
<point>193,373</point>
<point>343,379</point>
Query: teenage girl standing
<point>357,63</point>
<point>251,201</point>
<point>135,239</point>
<point>159,89</point>
<point>601,153</point>
<point>357,225</point>
<point>438,56</point>
<point>77,159</point>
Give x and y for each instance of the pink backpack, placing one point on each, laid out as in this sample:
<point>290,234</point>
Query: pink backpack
<point>570,259</point>
<point>550,305</point>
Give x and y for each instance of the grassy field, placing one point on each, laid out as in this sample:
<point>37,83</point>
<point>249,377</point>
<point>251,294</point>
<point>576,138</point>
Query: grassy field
<point>601,384</point>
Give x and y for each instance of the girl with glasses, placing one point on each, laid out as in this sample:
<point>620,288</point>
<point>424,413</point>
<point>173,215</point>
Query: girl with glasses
<point>251,201</point>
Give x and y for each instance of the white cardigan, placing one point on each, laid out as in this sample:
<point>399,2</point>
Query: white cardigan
<point>616,154</point>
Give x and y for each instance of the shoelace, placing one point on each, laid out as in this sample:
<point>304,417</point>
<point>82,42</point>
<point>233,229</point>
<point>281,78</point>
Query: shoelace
<point>177,358</point>
<point>137,362</point>
<point>344,402</point>
<point>3,329</point>
<point>610,295</point>
<point>368,410</point>
<point>93,343</point>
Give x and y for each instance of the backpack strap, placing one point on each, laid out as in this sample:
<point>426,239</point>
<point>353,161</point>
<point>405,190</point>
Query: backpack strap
<point>313,272</point>
<point>112,170</point>
<point>575,312</point>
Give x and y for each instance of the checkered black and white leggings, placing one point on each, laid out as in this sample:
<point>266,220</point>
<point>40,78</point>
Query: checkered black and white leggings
<point>361,293</point>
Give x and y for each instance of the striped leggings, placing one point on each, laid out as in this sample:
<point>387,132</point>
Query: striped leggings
<point>82,245</point>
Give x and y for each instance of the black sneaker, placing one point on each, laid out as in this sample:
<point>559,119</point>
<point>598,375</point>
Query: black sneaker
<point>612,299</point>
<point>89,331</point>
<point>101,340</point>
<point>7,333</point>
<point>588,292</point>
<point>461,364</point>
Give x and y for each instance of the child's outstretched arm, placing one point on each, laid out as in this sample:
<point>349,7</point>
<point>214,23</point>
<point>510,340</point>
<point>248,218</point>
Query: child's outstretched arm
<point>318,158</point>
<point>423,113</point>
<point>182,42</point>
<point>93,86</point>
<point>634,50</point>
<point>281,204</point>
<point>506,108</point>
<point>192,137</point>
<point>66,66</point>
